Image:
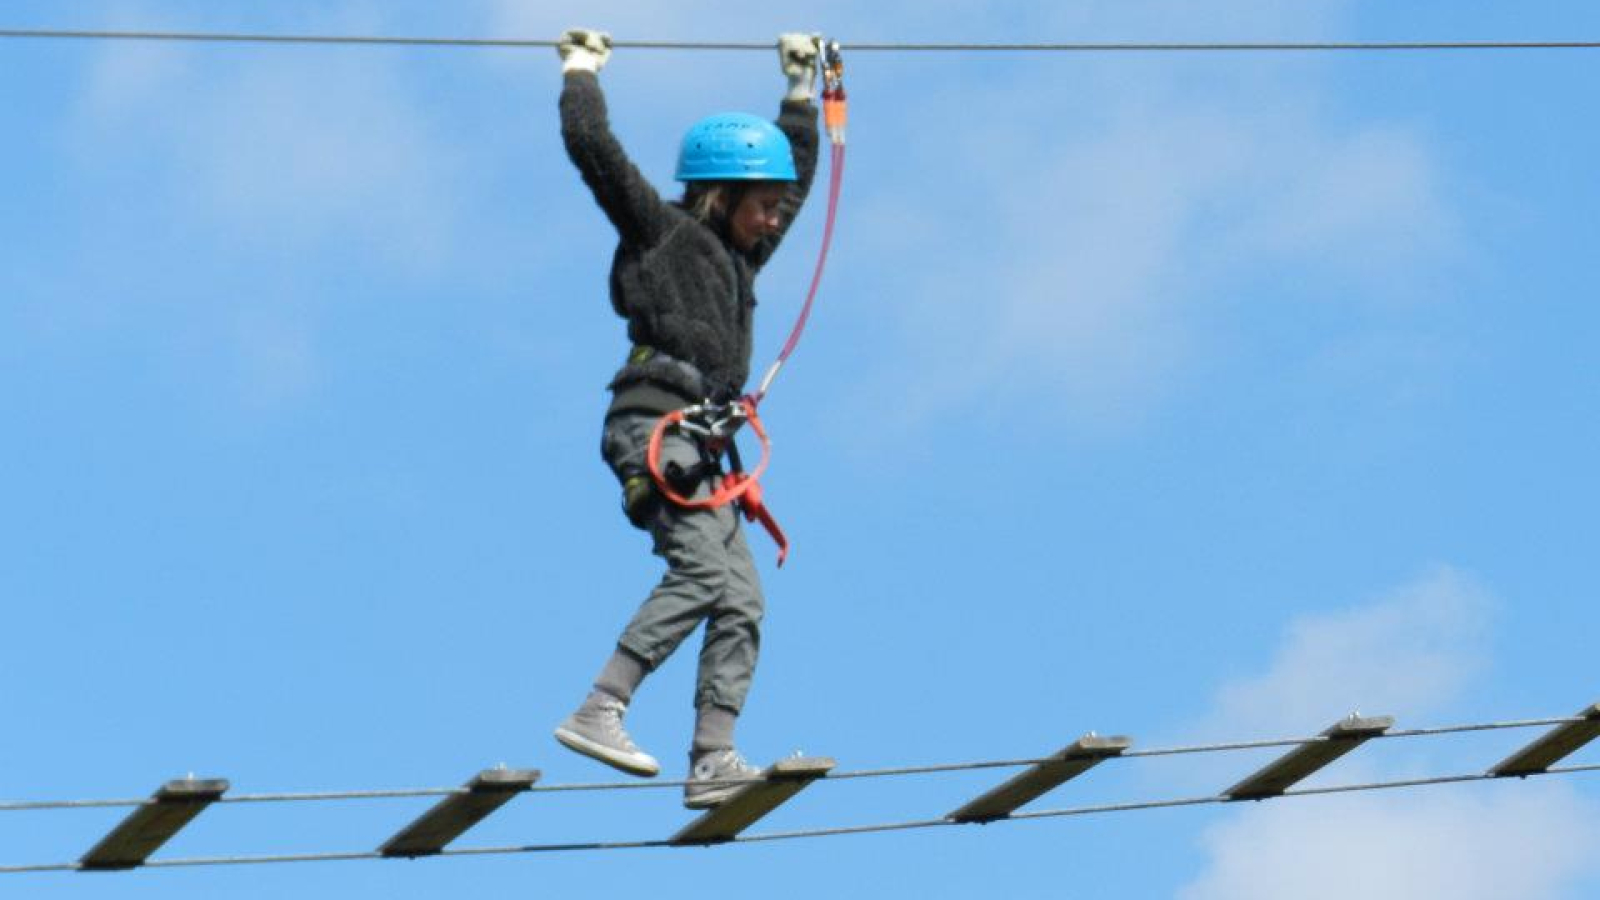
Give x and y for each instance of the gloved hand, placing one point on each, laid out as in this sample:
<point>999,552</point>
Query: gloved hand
<point>797,53</point>
<point>583,50</point>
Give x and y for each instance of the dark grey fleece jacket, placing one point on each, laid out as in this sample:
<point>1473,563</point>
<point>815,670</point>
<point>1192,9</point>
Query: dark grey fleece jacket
<point>685,289</point>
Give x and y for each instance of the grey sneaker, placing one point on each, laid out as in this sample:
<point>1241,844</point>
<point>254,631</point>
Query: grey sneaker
<point>595,730</point>
<point>710,776</point>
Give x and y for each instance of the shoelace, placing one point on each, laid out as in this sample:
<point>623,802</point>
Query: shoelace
<point>739,767</point>
<point>613,726</point>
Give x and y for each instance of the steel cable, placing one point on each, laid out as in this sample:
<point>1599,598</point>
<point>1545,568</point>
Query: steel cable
<point>878,828</point>
<point>868,47</point>
<point>934,769</point>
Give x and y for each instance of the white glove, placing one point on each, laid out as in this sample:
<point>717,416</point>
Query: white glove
<point>583,50</point>
<point>797,53</point>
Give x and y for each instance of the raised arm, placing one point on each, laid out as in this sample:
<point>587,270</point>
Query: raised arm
<point>797,118</point>
<point>627,198</point>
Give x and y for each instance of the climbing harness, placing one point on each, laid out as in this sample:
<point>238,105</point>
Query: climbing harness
<point>713,425</point>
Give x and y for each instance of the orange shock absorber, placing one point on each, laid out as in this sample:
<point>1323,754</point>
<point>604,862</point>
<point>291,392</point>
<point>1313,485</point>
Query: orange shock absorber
<point>835,105</point>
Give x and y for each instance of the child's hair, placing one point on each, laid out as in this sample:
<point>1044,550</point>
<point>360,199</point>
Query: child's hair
<point>708,201</point>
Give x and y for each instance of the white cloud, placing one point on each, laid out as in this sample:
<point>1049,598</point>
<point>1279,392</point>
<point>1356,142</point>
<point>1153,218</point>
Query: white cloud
<point>1410,653</point>
<point>327,156</point>
<point>1076,262</point>
<point>1369,196</point>
<point>283,151</point>
<point>1523,840</point>
<point>126,76</point>
<point>272,161</point>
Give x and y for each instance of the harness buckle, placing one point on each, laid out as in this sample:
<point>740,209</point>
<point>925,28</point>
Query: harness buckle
<point>714,424</point>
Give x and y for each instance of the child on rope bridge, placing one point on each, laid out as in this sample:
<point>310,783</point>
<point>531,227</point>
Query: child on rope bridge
<point>683,278</point>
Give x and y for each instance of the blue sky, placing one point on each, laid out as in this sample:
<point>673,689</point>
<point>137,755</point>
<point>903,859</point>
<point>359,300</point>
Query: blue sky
<point>1188,398</point>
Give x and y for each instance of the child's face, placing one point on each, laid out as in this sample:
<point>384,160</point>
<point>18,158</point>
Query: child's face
<point>756,216</point>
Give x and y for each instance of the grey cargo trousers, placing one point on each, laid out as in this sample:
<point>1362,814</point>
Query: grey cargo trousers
<point>710,576</point>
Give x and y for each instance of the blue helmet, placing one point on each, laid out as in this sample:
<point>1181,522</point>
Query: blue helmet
<point>735,147</point>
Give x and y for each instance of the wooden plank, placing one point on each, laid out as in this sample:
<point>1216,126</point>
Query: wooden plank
<point>750,803</point>
<point>1306,759</point>
<point>145,829</point>
<point>1552,747</point>
<point>1071,761</point>
<point>451,817</point>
